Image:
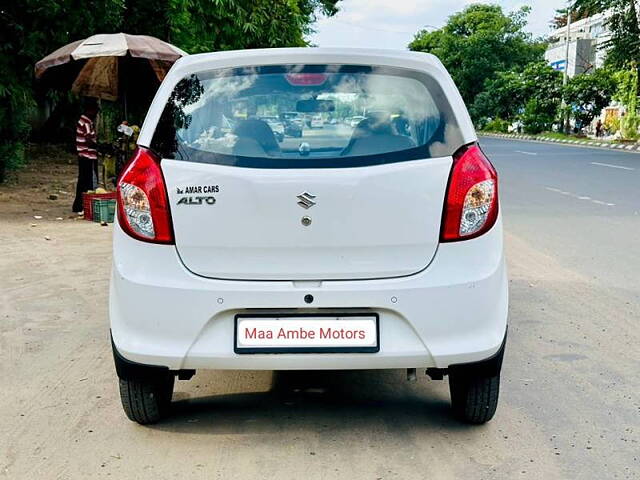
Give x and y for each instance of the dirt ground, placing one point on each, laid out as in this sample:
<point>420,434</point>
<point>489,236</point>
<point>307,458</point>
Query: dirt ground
<point>50,171</point>
<point>566,409</point>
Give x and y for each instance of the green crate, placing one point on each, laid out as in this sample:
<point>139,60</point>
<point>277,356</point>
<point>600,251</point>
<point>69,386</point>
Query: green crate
<point>104,210</point>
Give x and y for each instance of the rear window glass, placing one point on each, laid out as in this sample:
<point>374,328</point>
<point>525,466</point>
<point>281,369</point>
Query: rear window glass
<point>306,116</point>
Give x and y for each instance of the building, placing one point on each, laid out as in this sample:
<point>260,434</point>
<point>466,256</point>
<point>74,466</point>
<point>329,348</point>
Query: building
<point>586,37</point>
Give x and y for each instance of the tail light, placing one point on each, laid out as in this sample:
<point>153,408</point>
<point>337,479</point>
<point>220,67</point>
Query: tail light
<point>143,206</point>
<point>471,205</point>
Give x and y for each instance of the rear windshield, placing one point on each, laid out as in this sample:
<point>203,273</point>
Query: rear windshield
<point>306,116</point>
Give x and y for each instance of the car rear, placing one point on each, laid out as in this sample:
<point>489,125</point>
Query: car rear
<point>374,242</point>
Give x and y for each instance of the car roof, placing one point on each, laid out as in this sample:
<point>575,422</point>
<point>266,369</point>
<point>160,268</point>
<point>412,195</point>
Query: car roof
<point>264,56</point>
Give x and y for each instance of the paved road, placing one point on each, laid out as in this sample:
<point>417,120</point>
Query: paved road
<point>572,221</point>
<point>569,403</point>
<point>581,205</point>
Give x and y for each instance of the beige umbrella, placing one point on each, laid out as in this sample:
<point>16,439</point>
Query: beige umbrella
<point>95,67</point>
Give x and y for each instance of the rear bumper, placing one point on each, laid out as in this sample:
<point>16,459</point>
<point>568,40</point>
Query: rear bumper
<point>453,312</point>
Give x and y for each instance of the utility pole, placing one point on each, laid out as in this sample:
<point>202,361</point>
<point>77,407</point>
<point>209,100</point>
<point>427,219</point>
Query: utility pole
<point>565,77</point>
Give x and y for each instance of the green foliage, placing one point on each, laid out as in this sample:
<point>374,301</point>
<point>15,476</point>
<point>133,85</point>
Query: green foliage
<point>578,13</point>
<point>497,125</point>
<point>536,117</point>
<point>210,25</point>
<point>202,26</point>
<point>32,29</point>
<point>627,90</point>
<point>588,94</point>
<point>627,94</point>
<point>478,42</point>
<point>542,87</point>
<point>629,126</point>
<point>16,103</point>
<point>502,97</point>
<point>542,82</point>
<point>532,95</point>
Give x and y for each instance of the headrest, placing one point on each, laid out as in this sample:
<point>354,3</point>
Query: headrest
<point>259,131</point>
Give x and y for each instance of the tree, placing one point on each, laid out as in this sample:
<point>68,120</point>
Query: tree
<point>478,42</point>
<point>578,13</point>
<point>587,94</point>
<point>210,25</point>
<point>532,95</point>
<point>30,30</point>
<point>33,28</point>
<point>542,87</point>
<point>502,97</point>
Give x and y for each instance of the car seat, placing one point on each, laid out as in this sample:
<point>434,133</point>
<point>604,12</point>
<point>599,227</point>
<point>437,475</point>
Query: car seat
<point>373,136</point>
<point>255,139</point>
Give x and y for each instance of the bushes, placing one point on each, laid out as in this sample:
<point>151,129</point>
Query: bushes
<point>629,125</point>
<point>16,106</point>
<point>497,125</point>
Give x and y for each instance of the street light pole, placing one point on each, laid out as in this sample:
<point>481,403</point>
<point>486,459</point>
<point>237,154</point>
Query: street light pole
<point>565,76</point>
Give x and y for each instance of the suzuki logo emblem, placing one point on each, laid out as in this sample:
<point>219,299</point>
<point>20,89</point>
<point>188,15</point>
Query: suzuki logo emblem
<point>306,200</point>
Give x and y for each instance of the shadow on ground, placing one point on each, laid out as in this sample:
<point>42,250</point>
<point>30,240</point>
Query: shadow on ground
<point>316,401</point>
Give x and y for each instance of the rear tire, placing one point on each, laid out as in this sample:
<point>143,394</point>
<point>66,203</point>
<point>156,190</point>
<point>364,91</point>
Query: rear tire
<point>147,401</point>
<point>474,399</point>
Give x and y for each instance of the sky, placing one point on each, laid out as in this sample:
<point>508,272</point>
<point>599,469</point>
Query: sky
<point>393,23</point>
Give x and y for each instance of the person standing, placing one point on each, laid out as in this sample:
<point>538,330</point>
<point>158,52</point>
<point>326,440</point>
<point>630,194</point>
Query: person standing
<point>599,128</point>
<point>87,153</point>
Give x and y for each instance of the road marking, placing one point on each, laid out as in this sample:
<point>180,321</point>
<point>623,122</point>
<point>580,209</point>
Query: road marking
<point>611,166</point>
<point>579,197</point>
<point>525,153</point>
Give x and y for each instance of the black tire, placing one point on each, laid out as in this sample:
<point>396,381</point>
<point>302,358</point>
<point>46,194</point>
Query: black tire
<point>474,399</point>
<point>149,401</point>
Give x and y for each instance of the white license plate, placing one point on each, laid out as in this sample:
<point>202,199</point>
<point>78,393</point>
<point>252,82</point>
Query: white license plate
<point>306,333</point>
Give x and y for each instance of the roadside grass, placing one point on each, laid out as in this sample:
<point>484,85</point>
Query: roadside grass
<point>564,136</point>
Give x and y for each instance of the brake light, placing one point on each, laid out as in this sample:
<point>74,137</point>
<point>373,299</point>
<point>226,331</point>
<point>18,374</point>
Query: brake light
<point>471,205</point>
<point>143,206</point>
<point>306,79</point>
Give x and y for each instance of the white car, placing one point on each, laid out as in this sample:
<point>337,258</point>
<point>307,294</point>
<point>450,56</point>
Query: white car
<point>317,121</point>
<point>362,248</point>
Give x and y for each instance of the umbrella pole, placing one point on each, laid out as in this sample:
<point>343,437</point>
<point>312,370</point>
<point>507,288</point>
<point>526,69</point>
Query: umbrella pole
<point>101,161</point>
